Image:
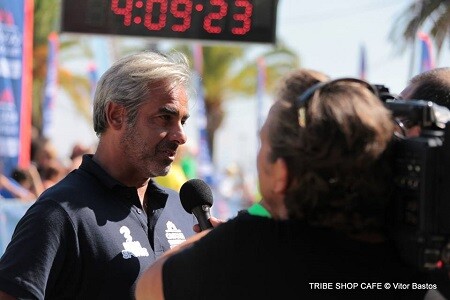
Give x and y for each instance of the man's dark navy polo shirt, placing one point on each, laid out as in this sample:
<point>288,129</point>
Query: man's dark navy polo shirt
<point>87,237</point>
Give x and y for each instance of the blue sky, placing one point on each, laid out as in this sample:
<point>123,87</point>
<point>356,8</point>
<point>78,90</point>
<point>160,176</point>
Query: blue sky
<point>327,35</point>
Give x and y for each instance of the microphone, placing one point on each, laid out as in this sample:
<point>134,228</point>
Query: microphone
<point>196,198</point>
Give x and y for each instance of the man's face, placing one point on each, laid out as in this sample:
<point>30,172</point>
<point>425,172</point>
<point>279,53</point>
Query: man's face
<point>151,144</point>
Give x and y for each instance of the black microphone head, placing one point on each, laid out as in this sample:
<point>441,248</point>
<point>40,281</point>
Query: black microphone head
<point>194,193</point>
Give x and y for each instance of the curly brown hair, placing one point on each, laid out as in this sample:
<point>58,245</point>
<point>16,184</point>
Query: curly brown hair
<point>339,175</point>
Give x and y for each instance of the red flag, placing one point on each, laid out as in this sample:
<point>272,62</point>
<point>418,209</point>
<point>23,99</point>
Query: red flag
<point>426,52</point>
<point>27,85</point>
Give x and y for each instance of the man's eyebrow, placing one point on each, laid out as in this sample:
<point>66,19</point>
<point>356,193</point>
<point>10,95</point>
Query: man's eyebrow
<point>172,111</point>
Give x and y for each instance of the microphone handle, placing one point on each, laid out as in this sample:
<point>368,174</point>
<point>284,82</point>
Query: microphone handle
<point>202,213</point>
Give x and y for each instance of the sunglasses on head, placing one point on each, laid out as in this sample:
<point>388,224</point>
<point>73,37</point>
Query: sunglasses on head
<point>302,100</point>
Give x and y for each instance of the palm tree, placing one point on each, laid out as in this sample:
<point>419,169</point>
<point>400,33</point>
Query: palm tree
<point>46,15</point>
<point>435,13</point>
<point>230,71</point>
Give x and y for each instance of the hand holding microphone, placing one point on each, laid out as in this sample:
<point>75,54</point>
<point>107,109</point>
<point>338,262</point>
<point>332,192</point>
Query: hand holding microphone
<point>197,198</point>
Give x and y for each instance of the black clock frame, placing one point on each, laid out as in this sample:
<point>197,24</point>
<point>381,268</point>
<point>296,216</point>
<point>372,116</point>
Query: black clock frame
<point>96,17</point>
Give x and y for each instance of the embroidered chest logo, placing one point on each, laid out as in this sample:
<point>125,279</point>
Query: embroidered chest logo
<point>174,235</point>
<point>131,248</point>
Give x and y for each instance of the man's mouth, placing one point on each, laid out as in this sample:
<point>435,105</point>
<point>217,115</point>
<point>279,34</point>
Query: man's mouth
<point>169,153</point>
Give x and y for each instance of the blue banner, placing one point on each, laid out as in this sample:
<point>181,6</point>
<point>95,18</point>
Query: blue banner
<point>10,213</point>
<point>15,115</point>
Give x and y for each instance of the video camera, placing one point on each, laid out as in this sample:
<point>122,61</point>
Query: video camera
<point>421,163</point>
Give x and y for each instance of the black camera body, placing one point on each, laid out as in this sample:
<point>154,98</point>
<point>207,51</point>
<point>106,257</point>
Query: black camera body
<point>420,221</point>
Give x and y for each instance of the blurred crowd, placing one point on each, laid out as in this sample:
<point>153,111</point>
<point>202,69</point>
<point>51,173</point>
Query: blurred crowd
<point>233,188</point>
<point>45,169</point>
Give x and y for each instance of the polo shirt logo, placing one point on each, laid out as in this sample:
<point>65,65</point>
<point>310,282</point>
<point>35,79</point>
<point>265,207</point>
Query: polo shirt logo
<point>131,248</point>
<point>174,235</point>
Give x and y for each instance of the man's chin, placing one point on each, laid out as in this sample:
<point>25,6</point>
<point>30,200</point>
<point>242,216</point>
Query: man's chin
<point>164,171</point>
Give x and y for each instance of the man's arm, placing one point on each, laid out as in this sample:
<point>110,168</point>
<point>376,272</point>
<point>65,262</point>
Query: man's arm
<point>15,189</point>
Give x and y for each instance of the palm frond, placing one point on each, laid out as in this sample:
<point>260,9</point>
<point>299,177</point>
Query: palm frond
<point>419,13</point>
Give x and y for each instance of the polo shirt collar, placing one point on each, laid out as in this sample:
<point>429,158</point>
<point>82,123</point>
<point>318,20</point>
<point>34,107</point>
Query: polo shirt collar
<point>89,165</point>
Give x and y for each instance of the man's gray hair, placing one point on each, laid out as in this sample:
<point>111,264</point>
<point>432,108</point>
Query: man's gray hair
<point>128,81</point>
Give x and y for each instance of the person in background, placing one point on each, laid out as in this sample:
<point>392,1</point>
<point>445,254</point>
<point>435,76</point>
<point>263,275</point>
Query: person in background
<point>45,157</point>
<point>53,173</point>
<point>93,233</point>
<point>232,190</point>
<point>11,189</point>
<point>432,85</point>
<point>30,179</point>
<point>76,157</point>
<point>324,174</point>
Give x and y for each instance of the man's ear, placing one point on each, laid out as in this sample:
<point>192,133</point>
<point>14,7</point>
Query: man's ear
<point>281,176</point>
<point>115,115</point>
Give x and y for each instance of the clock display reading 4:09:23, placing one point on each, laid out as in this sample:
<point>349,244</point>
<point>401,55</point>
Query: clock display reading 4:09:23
<point>227,20</point>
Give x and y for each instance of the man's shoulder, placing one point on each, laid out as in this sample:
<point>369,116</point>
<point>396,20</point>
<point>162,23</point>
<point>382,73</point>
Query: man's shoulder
<point>73,184</point>
<point>70,194</point>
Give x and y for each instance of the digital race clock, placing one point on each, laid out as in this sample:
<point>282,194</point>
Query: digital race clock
<point>220,20</point>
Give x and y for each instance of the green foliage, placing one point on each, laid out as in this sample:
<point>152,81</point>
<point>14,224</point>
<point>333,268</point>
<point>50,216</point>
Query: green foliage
<point>46,17</point>
<point>46,20</point>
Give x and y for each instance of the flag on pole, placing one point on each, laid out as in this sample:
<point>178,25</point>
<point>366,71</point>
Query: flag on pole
<point>93,78</point>
<point>426,52</point>
<point>362,63</point>
<point>261,83</point>
<point>16,27</point>
<point>198,59</point>
<point>205,165</point>
<point>51,84</point>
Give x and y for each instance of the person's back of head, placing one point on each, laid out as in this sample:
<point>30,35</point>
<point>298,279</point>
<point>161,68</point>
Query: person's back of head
<point>289,87</point>
<point>332,138</point>
<point>298,81</point>
<point>129,81</point>
<point>432,85</point>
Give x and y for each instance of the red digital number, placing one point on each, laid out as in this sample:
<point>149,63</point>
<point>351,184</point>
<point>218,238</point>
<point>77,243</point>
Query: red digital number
<point>244,17</point>
<point>148,22</point>
<point>125,11</point>
<point>184,13</point>
<point>211,17</point>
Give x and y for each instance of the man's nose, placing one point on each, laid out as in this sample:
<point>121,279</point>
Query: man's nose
<point>178,134</point>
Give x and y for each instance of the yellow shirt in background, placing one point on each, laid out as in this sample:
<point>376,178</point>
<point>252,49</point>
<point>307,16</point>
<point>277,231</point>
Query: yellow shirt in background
<point>174,179</point>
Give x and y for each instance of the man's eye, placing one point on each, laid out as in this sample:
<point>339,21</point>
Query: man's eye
<point>166,117</point>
